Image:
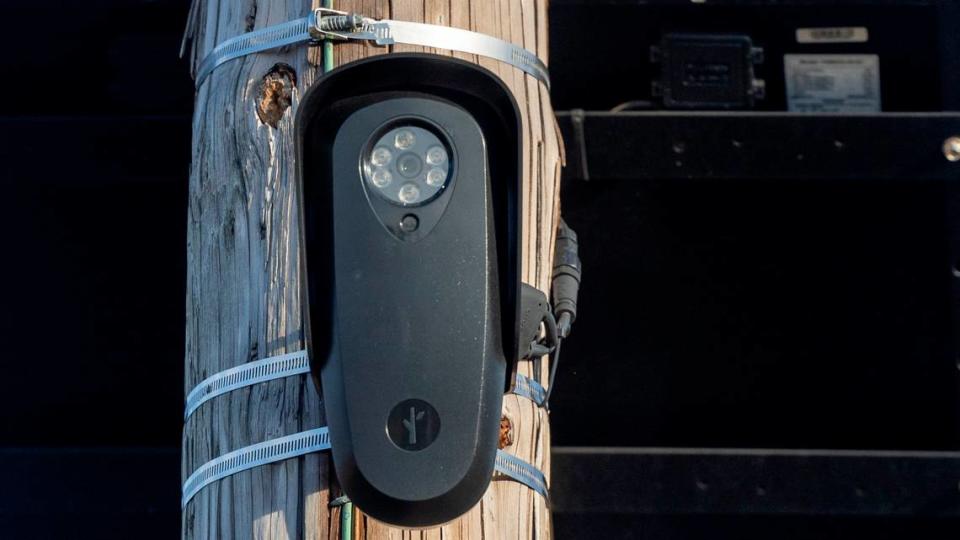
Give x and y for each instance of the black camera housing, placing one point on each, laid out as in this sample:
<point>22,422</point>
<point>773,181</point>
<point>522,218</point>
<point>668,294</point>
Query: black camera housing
<point>412,327</point>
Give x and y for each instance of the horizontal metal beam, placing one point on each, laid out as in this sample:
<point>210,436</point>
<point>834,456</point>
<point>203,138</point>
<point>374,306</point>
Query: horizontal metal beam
<point>133,492</point>
<point>743,3</point>
<point>670,481</point>
<point>730,145</point>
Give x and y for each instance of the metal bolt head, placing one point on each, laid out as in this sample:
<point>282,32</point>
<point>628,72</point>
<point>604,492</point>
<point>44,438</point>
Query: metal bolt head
<point>951,149</point>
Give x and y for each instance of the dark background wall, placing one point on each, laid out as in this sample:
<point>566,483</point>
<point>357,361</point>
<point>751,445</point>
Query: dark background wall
<point>94,155</point>
<point>747,313</point>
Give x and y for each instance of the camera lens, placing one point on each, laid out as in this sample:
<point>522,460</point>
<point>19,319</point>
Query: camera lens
<point>409,165</point>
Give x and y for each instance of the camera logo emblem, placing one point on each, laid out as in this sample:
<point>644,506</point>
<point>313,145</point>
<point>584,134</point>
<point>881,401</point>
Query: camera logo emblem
<point>413,425</point>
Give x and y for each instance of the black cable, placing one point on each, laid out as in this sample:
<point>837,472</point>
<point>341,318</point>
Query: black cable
<point>554,361</point>
<point>633,105</point>
<point>566,289</point>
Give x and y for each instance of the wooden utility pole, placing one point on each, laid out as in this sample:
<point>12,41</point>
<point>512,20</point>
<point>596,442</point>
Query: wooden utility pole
<point>243,291</point>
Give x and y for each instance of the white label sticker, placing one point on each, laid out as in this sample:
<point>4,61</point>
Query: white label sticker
<point>836,34</point>
<point>826,83</point>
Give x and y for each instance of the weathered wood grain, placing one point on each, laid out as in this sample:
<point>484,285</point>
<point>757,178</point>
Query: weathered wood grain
<point>243,280</point>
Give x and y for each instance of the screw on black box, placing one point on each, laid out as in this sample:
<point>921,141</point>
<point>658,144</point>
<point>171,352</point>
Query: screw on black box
<point>951,149</point>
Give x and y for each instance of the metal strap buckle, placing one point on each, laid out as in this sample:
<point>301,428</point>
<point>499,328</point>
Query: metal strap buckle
<point>329,24</point>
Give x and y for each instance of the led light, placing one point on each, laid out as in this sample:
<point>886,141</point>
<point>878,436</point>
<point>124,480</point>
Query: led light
<point>381,178</point>
<point>436,176</point>
<point>404,139</point>
<point>409,193</point>
<point>436,155</point>
<point>381,156</point>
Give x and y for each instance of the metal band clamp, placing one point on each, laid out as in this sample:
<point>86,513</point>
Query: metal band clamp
<point>248,457</point>
<point>298,363</point>
<point>328,24</point>
<point>318,440</point>
<point>314,440</point>
<point>268,369</point>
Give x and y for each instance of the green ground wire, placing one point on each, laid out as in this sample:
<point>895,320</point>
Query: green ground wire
<point>346,516</point>
<point>346,512</point>
<point>346,522</point>
<point>327,56</point>
<point>327,45</point>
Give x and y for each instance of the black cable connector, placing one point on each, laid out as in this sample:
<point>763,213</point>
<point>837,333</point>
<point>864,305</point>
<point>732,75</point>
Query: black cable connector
<point>535,311</point>
<point>566,288</point>
<point>566,278</point>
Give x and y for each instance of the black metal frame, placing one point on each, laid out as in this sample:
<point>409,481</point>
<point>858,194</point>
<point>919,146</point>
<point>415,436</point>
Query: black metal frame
<point>634,148</point>
<point>665,145</point>
<point>749,481</point>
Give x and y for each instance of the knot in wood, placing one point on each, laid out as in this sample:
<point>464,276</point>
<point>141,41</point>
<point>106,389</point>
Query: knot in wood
<point>506,432</point>
<point>276,91</point>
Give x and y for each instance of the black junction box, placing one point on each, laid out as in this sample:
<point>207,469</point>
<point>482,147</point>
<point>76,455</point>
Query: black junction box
<point>707,71</point>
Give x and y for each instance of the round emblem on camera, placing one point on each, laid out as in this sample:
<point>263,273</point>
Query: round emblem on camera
<point>413,425</point>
